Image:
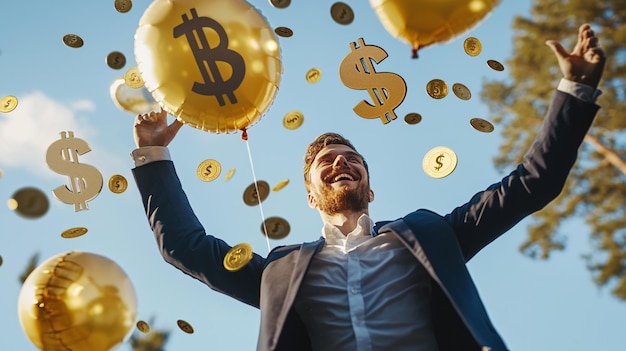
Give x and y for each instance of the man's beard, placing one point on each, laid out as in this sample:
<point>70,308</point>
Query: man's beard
<point>344,199</point>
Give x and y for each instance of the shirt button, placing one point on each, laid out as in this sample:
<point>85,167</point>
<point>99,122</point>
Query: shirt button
<point>354,290</point>
<point>142,158</point>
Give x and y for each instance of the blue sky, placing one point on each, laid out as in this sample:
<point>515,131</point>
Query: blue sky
<point>536,305</point>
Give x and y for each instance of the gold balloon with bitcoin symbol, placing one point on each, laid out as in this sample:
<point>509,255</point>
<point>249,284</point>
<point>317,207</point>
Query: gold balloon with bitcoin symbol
<point>215,65</point>
<point>85,180</point>
<point>427,22</point>
<point>387,90</point>
<point>77,301</point>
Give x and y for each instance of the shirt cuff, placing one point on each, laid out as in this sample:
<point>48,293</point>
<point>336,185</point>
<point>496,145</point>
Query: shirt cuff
<point>147,154</point>
<point>581,91</point>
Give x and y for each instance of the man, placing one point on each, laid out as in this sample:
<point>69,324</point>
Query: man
<point>391,285</point>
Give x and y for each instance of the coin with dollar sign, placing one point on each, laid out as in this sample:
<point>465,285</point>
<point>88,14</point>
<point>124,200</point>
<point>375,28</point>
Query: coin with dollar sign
<point>275,227</point>
<point>116,60</point>
<point>437,89</point>
<point>143,326</point>
<point>313,75</point>
<point>238,257</point>
<point>133,78</point>
<point>29,202</point>
<point>293,120</point>
<point>74,232</point>
<point>208,170</point>
<point>412,118</point>
<point>342,13</point>
<point>184,326</point>
<point>439,162</point>
<point>252,196</point>
<point>123,6</point>
<point>8,103</point>
<point>117,184</point>
<point>472,46</point>
<point>461,91</point>
<point>73,40</point>
<point>482,125</point>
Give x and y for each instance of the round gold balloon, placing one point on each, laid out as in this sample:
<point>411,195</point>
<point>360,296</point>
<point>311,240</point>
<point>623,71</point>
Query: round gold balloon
<point>213,64</point>
<point>135,101</point>
<point>77,301</point>
<point>422,23</point>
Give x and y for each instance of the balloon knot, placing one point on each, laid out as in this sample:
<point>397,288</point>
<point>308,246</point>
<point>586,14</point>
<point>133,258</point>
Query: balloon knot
<point>244,135</point>
<point>414,53</point>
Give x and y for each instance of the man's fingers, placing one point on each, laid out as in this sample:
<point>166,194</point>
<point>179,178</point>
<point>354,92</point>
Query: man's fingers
<point>558,49</point>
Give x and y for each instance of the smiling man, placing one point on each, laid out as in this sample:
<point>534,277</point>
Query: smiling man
<point>398,284</point>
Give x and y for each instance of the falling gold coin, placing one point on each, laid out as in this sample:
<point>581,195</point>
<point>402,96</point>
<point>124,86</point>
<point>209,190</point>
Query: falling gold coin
<point>437,89</point>
<point>280,4</point>
<point>293,120</point>
<point>461,91</point>
<point>412,118</point>
<point>73,40</point>
<point>237,257</point>
<point>184,326</point>
<point>1,173</point>
<point>1,261</point>
<point>313,75</point>
<point>229,174</point>
<point>280,185</point>
<point>118,184</point>
<point>116,60</point>
<point>439,162</point>
<point>29,202</point>
<point>123,6</point>
<point>472,46</point>
<point>8,103</point>
<point>277,228</point>
<point>495,65</point>
<point>482,125</point>
<point>143,326</point>
<point>342,13</point>
<point>208,170</point>
<point>133,78</point>
<point>250,195</point>
<point>74,232</point>
<point>284,32</point>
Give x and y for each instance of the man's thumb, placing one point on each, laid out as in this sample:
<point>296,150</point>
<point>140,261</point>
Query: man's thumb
<point>557,48</point>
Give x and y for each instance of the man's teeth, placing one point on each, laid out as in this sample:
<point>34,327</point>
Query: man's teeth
<point>343,176</point>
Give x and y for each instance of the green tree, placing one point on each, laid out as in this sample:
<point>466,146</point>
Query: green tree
<point>596,188</point>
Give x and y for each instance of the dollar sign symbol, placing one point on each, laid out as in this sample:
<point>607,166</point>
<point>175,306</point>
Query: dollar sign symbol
<point>8,103</point>
<point>85,180</point>
<point>387,90</point>
<point>207,57</point>
<point>207,170</point>
<point>439,162</point>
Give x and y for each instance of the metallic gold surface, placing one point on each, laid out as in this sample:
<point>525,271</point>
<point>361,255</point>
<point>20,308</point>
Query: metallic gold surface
<point>461,91</point>
<point>8,103</point>
<point>143,326</point>
<point>184,326</point>
<point>123,6</point>
<point>229,174</point>
<point>439,162</point>
<point>116,60</point>
<point>250,195</point>
<point>74,232</point>
<point>342,13</point>
<point>293,120</point>
<point>482,125</point>
<point>238,257</point>
<point>313,75</point>
<point>284,32</point>
<point>437,89</point>
<point>280,185</point>
<point>277,228</point>
<point>495,65</point>
<point>29,202</point>
<point>73,40</point>
<point>280,4</point>
<point>136,101</point>
<point>412,118</point>
<point>208,170</point>
<point>472,46</point>
<point>133,78</point>
<point>117,184</point>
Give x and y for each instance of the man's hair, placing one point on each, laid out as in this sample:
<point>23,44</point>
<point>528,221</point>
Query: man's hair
<point>317,145</point>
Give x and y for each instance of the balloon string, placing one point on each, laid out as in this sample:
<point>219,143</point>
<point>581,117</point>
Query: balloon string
<point>256,186</point>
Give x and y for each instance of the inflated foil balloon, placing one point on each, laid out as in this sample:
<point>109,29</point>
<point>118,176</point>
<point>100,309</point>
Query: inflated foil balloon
<point>77,301</point>
<point>135,101</point>
<point>425,22</point>
<point>214,64</point>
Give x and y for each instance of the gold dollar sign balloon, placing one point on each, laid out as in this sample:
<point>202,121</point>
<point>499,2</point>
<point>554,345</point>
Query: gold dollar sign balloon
<point>85,180</point>
<point>387,90</point>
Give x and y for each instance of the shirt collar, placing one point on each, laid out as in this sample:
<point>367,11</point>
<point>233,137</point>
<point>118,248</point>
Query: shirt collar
<point>334,236</point>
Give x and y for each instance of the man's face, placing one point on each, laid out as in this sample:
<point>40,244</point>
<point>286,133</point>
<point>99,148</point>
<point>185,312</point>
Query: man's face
<point>339,181</point>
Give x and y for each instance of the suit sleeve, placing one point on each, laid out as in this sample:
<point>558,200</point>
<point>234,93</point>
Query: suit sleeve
<point>533,184</point>
<point>182,239</point>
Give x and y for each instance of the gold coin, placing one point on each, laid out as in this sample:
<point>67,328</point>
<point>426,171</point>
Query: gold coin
<point>229,174</point>
<point>472,46</point>
<point>143,326</point>
<point>237,257</point>
<point>461,91</point>
<point>277,228</point>
<point>116,60</point>
<point>184,326</point>
<point>29,202</point>
<point>123,6</point>
<point>495,65</point>
<point>74,232</point>
<point>250,195</point>
<point>118,184</point>
<point>73,40</point>
<point>313,75</point>
<point>8,103</point>
<point>293,120</point>
<point>1,261</point>
<point>283,32</point>
<point>133,78</point>
<point>1,173</point>
<point>437,89</point>
<point>342,13</point>
<point>280,4</point>
<point>439,162</point>
<point>208,170</point>
<point>482,125</point>
<point>280,185</point>
<point>412,118</point>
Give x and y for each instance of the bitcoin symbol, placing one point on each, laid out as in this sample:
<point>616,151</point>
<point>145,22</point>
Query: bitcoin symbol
<point>387,90</point>
<point>207,57</point>
<point>439,162</point>
<point>85,180</point>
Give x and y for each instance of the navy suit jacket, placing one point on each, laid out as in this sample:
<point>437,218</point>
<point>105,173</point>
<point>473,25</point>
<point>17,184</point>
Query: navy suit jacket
<point>442,244</point>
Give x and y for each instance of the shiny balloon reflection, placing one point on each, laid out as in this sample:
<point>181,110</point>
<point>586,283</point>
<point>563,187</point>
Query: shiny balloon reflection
<point>77,301</point>
<point>135,101</point>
